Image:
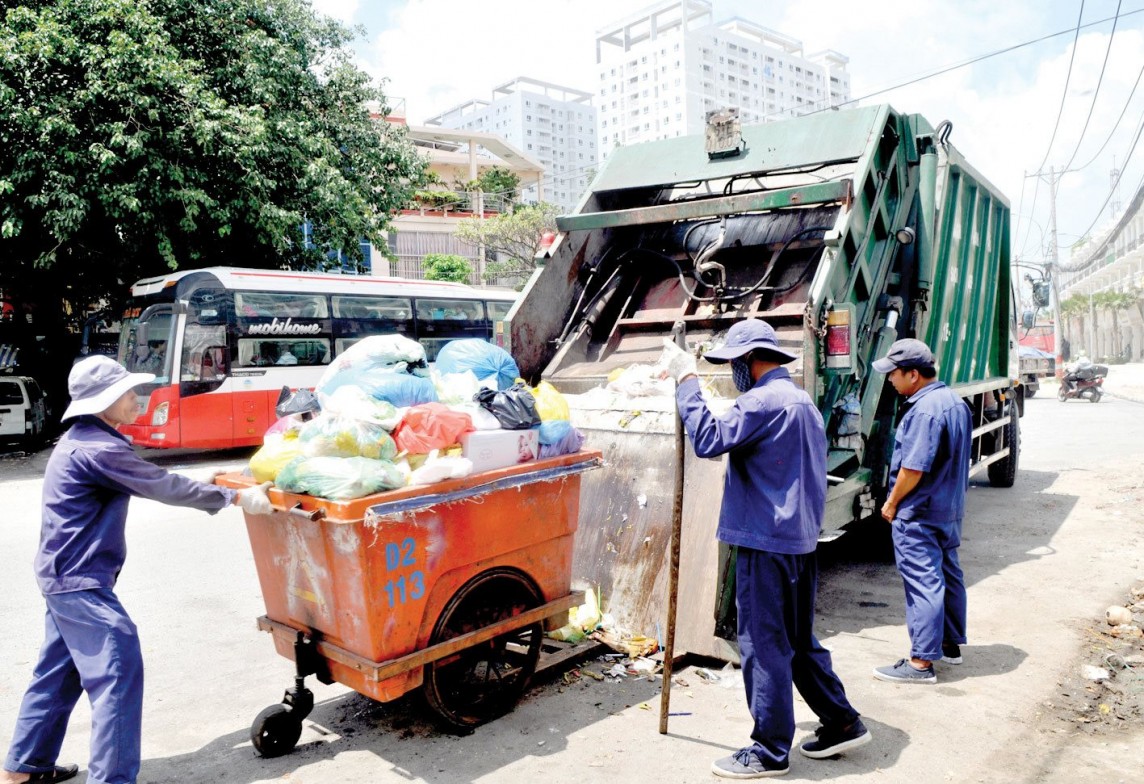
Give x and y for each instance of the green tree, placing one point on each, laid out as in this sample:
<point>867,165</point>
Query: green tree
<point>511,239</point>
<point>447,266</point>
<point>139,136</point>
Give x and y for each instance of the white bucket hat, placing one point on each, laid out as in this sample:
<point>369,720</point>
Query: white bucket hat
<point>97,382</point>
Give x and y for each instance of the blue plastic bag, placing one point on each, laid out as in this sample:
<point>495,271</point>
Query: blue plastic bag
<point>553,431</point>
<point>393,386</point>
<point>481,357</point>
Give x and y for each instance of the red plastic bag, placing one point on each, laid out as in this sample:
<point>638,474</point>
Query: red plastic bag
<point>431,426</point>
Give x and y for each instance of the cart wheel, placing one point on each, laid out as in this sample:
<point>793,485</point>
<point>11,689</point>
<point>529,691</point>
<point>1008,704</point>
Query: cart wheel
<point>275,731</point>
<point>485,681</point>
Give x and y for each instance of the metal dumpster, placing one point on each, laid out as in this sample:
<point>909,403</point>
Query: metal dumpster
<point>444,587</point>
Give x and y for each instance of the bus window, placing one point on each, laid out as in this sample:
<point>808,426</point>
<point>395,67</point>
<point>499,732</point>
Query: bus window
<point>249,304</point>
<point>498,311</point>
<point>264,352</point>
<point>358,317</point>
<point>204,352</point>
<point>442,320</point>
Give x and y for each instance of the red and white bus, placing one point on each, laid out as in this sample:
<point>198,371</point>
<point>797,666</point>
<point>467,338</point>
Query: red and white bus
<point>223,342</point>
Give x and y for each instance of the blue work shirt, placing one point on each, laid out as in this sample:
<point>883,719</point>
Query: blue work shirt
<point>934,437</point>
<point>91,476</point>
<point>774,491</point>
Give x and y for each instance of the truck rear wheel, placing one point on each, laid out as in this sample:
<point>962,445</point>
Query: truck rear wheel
<point>1003,473</point>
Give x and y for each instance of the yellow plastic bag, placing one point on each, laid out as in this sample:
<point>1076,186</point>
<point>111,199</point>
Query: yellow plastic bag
<point>550,404</point>
<point>275,453</point>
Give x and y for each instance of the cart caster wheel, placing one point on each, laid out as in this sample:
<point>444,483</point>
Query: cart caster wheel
<point>482,682</point>
<point>276,731</point>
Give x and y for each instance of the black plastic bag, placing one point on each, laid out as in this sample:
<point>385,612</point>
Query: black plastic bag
<point>514,408</point>
<point>303,402</point>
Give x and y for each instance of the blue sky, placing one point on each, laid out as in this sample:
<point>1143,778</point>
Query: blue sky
<point>437,53</point>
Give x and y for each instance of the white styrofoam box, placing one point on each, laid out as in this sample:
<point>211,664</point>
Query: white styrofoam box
<point>489,449</point>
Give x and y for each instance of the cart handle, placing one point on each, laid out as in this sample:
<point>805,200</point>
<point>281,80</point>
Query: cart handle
<point>313,515</point>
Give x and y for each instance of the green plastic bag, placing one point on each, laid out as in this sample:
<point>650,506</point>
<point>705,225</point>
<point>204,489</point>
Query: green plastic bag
<point>330,435</point>
<point>339,478</point>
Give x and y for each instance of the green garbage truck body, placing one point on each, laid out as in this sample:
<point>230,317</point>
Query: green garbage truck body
<point>844,230</point>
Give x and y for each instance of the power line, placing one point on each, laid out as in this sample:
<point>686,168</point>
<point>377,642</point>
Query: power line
<point>1057,125</point>
<point>1096,93</point>
<point>1065,92</point>
<point>1111,191</point>
<point>1116,125</point>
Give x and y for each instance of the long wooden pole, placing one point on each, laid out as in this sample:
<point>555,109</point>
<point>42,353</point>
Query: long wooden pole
<point>673,571</point>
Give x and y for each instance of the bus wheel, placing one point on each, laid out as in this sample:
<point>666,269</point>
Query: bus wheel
<point>1003,473</point>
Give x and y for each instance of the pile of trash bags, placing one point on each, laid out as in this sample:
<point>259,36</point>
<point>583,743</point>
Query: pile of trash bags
<point>380,418</point>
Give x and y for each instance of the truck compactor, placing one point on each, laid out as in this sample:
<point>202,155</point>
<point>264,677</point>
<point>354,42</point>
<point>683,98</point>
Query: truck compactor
<point>845,230</point>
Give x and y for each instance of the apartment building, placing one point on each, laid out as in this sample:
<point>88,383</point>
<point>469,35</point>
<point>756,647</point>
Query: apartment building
<point>1111,261</point>
<point>551,124</point>
<point>662,69</point>
<point>429,224</point>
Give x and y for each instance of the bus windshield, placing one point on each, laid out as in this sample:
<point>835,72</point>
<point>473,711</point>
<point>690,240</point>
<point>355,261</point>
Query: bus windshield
<point>149,355</point>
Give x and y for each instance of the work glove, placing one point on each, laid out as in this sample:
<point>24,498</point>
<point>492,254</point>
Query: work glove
<point>675,362</point>
<point>254,500</point>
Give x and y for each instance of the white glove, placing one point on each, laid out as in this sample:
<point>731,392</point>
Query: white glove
<point>254,500</point>
<point>676,362</point>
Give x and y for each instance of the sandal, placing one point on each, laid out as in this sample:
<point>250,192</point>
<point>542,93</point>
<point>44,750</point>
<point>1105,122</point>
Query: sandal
<point>58,773</point>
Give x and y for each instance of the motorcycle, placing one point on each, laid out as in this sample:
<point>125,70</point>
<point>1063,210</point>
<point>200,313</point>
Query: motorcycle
<point>1084,382</point>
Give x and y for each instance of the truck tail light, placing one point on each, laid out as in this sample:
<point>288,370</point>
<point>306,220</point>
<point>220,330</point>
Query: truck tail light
<point>159,415</point>
<point>839,339</point>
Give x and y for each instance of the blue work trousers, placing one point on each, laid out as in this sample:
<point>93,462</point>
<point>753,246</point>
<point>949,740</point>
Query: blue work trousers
<point>89,645</point>
<point>775,596</point>
<point>926,554</point>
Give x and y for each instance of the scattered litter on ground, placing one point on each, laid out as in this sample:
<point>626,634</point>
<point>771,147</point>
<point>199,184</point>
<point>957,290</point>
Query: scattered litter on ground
<point>1106,691</point>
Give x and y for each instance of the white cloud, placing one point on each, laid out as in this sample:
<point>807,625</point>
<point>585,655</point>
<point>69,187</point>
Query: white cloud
<point>344,10</point>
<point>437,54</point>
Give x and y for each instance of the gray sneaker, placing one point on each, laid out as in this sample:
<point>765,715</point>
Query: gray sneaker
<point>951,653</point>
<point>904,672</point>
<point>831,741</point>
<point>745,764</point>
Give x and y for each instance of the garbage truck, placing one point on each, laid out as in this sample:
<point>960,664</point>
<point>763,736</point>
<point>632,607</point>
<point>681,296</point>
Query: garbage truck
<point>845,230</point>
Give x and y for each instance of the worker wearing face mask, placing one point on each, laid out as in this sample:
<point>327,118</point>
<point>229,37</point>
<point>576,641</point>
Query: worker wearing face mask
<point>774,496</point>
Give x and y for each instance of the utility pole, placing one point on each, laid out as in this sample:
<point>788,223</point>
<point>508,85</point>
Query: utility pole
<point>1054,267</point>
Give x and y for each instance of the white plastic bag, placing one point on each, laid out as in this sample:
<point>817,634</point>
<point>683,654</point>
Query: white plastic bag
<point>455,388</point>
<point>438,469</point>
<point>353,403</point>
<point>642,381</point>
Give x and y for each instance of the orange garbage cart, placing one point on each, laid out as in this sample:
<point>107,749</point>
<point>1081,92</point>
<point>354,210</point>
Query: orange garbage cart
<point>444,587</point>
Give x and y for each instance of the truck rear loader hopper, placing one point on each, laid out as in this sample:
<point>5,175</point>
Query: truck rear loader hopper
<point>845,231</point>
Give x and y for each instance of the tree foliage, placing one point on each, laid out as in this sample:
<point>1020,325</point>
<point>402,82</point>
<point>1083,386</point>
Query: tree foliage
<point>447,266</point>
<point>139,136</point>
<point>511,239</point>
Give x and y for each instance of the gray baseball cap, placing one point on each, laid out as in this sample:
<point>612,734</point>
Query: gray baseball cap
<point>905,354</point>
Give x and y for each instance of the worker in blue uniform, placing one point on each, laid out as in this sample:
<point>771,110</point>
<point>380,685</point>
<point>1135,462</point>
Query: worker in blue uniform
<point>90,643</point>
<point>929,476</point>
<point>774,496</point>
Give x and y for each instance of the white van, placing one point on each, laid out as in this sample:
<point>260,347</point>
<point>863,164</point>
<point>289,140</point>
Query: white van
<point>23,412</point>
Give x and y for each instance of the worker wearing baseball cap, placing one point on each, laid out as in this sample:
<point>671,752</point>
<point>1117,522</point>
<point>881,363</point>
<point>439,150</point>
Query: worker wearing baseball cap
<point>774,497</point>
<point>929,477</point>
<point>90,642</point>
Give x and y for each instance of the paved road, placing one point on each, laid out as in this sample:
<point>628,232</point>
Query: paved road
<point>1041,559</point>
